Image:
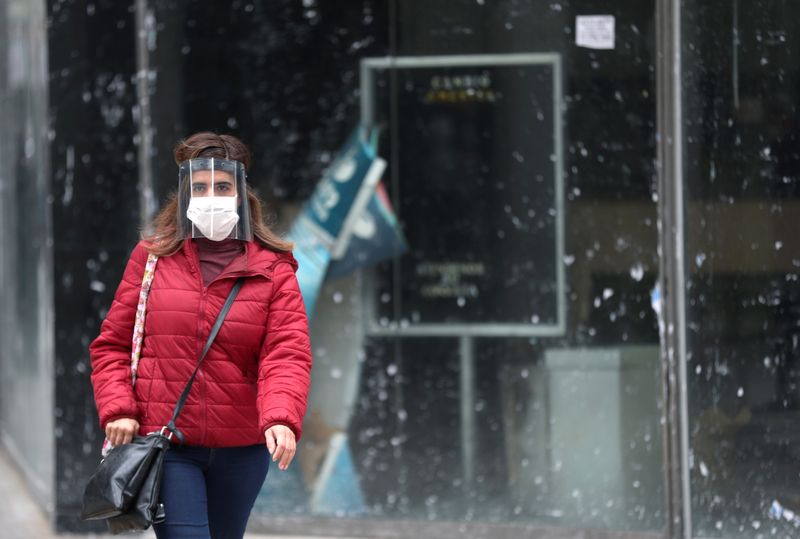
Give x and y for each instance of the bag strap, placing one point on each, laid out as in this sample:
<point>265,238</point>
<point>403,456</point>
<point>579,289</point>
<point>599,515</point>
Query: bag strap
<point>141,309</point>
<point>211,336</point>
<point>138,328</point>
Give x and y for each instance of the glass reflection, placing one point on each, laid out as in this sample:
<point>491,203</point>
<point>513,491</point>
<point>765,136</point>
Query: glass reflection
<point>743,300</point>
<point>501,370</point>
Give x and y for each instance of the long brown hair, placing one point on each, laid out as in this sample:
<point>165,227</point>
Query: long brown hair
<point>165,239</point>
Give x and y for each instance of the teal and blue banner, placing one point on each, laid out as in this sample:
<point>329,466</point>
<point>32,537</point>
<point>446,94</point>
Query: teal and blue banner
<point>348,222</point>
<point>375,236</point>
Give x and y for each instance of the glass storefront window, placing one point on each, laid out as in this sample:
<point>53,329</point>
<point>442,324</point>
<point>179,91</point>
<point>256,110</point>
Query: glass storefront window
<point>741,155</point>
<point>504,368</point>
<point>500,374</point>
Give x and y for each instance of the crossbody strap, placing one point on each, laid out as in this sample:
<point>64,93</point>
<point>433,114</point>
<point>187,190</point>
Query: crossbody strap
<point>141,309</point>
<point>138,327</point>
<point>214,330</point>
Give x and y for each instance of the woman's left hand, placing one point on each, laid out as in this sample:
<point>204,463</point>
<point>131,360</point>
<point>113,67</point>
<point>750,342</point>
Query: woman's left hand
<point>281,444</point>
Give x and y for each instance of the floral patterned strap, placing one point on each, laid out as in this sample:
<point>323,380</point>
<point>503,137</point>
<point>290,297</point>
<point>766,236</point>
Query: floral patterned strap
<point>138,328</point>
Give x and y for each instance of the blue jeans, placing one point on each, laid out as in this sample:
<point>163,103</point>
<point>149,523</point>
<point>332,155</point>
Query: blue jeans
<point>209,493</point>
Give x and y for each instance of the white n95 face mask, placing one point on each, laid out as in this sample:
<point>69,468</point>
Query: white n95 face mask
<point>214,217</point>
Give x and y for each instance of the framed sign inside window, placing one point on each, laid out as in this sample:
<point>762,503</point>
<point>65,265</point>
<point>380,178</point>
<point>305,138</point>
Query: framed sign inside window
<point>474,145</point>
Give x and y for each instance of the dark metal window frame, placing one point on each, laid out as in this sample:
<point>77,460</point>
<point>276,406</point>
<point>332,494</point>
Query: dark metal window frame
<point>672,279</point>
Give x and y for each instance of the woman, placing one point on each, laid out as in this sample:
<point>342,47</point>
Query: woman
<point>252,387</point>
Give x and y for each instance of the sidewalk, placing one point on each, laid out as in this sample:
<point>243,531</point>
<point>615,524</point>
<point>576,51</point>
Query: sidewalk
<point>21,517</point>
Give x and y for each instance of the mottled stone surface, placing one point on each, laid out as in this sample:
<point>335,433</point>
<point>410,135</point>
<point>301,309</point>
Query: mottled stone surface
<point>95,213</point>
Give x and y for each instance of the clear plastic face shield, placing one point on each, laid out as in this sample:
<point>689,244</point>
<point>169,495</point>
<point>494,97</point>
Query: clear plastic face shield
<point>212,200</point>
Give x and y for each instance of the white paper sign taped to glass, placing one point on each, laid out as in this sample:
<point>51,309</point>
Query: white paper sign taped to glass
<point>594,31</point>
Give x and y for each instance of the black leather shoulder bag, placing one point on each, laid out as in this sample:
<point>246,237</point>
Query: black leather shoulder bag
<point>124,489</point>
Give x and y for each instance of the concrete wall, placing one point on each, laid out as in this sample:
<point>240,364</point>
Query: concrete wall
<point>26,268</point>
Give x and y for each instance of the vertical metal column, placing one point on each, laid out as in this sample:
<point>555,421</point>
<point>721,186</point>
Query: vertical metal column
<point>735,53</point>
<point>467,386</point>
<point>672,323</point>
<point>145,36</point>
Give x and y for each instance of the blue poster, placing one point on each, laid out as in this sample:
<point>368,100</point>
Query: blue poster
<point>375,236</point>
<point>325,223</point>
<point>347,223</point>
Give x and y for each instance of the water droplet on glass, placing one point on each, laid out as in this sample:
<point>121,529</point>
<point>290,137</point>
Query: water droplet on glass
<point>637,271</point>
<point>97,286</point>
<point>699,259</point>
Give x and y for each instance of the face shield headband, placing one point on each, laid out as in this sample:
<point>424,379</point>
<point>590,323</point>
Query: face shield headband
<point>212,200</point>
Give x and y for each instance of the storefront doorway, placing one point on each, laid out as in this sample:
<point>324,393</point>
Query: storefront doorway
<point>574,338</point>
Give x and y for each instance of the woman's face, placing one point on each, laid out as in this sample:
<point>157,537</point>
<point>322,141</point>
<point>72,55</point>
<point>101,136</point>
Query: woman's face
<point>224,184</point>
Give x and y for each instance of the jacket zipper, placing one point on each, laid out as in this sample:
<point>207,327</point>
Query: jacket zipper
<point>201,340</point>
<point>200,374</point>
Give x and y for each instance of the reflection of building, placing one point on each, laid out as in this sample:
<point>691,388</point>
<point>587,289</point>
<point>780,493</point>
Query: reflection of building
<point>427,410</point>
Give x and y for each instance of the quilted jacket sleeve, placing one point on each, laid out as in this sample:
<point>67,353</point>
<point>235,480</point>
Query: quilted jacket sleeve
<point>110,352</point>
<point>284,372</point>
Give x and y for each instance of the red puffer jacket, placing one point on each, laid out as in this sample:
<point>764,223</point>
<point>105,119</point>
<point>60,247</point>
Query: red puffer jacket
<point>255,375</point>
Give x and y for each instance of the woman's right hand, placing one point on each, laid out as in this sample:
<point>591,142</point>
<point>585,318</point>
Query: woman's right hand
<point>121,431</point>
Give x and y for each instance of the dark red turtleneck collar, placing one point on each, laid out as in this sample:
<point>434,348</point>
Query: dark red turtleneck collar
<point>216,255</point>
